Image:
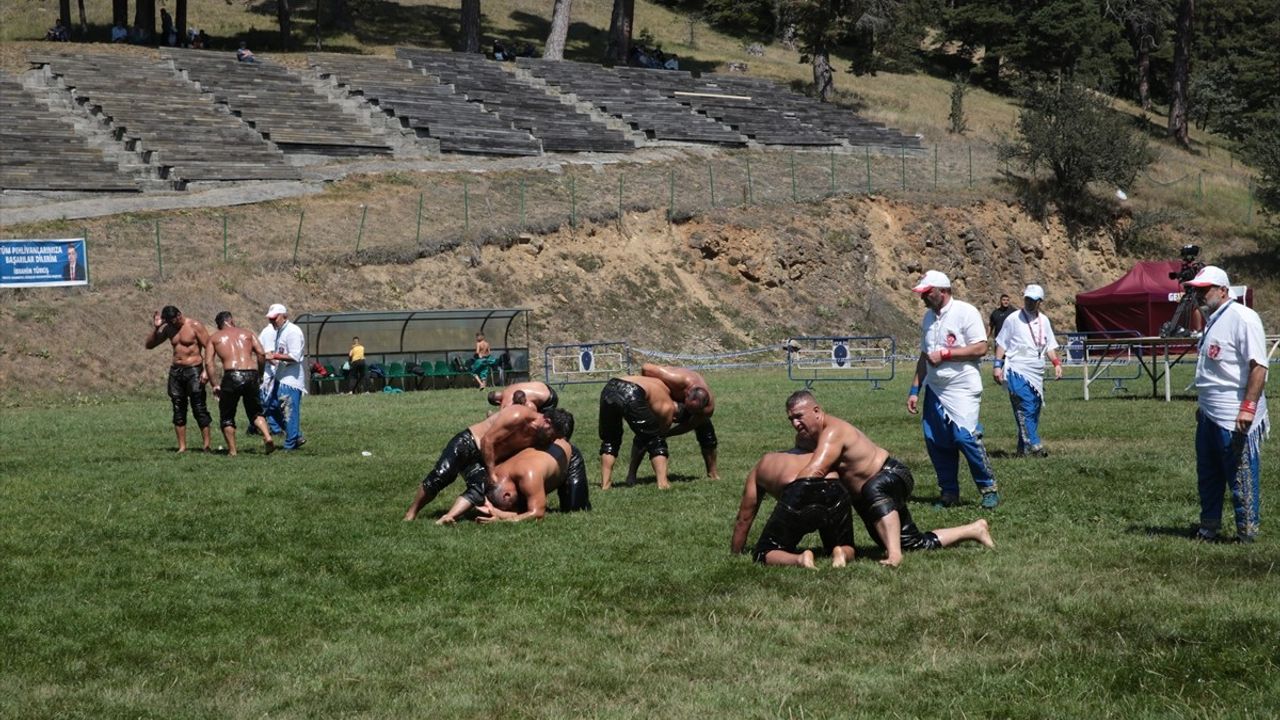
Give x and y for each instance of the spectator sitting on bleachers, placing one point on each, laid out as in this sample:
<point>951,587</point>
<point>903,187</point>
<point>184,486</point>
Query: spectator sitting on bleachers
<point>244,54</point>
<point>527,51</point>
<point>59,32</point>
<point>119,33</point>
<point>200,41</point>
<point>139,35</point>
<point>500,52</point>
<point>671,63</point>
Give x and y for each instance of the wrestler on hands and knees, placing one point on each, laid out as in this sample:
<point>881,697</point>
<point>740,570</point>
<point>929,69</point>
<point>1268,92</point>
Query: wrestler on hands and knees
<point>187,374</point>
<point>878,485</point>
<point>804,505</point>
<point>475,451</point>
<point>524,481</point>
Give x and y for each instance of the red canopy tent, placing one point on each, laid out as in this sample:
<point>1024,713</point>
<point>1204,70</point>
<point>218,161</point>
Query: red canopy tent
<point>1140,301</point>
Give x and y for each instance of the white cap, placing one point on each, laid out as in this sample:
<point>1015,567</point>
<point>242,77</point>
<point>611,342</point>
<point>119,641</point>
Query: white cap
<point>932,279</point>
<point>276,310</point>
<point>1034,292</point>
<point>1210,276</point>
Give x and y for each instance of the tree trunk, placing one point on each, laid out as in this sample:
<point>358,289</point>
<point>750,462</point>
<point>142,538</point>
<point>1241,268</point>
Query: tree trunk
<point>624,14</point>
<point>64,12</point>
<point>471,26</point>
<point>1183,29</point>
<point>286,23</point>
<point>180,22</point>
<point>120,12</point>
<point>84,24</point>
<point>1144,78</point>
<point>340,17</point>
<point>823,83</point>
<point>144,16</point>
<point>559,30</point>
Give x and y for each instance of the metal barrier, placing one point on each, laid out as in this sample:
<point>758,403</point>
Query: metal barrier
<point>768,356</point>
<point>581,363</point>
<point>1118,363</point>
<point>842,358</point>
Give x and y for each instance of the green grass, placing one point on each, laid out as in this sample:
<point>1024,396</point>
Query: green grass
<point>137,583</point>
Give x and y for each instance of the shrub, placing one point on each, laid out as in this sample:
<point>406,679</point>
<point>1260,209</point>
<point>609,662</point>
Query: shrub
<point>956,121</point>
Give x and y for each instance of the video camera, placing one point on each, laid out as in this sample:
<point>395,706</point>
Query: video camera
<point>1190,256</point>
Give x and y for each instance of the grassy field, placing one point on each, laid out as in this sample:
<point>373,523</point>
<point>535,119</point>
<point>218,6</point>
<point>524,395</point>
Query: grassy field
<point>138,583</point>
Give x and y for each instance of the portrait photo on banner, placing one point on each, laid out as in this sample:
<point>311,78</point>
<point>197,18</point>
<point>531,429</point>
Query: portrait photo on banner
<point>43,263</point>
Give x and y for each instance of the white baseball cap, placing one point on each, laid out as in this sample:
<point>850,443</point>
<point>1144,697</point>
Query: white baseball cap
<point>276,310</point>
<point>1033,292</point>
<point>1210,276</point>
<point>932,279</point>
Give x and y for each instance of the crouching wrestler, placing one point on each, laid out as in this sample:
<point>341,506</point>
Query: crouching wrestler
<point>486,444</point>
<point>645,404</point>
<point>805,505</point>
<point>524,481</point>
<point>878,485</point>
<point>537,395</point>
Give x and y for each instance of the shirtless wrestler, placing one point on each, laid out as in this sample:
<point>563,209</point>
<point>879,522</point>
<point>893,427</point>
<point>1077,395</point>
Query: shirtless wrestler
<point>487,443</point>
<point>187,375</point>
<point>694,406</point>
<point>537,395</point>
<point>804,505</point>
<point>878,485</point>
<point>524,481</point>
<point>645,404</point>
<point>242,358</point>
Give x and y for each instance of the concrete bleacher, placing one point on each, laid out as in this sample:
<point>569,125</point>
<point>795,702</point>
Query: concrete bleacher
<point>40,150</point>
<point>644,109</point>
<point>424,104</point>
<point>146,106</point>
<point>839,122</point>
<point>279,105</point>
<point>560,127</point>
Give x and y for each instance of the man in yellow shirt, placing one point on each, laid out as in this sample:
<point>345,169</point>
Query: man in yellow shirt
<point>358,373</point>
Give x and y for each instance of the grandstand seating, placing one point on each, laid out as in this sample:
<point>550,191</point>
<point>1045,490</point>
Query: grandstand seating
<point>40,150</point>
<point>166,120</point>
<point>560,127</point>
<point>646,110</point>
<point>424,104</point>
<point>277,104</point>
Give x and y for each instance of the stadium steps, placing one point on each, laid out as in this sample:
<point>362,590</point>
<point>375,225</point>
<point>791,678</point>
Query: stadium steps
<point>554,121</point>
<point>421,104</point>
<point>150,111</point>
<point>279,105</point>
<point>43,149</point>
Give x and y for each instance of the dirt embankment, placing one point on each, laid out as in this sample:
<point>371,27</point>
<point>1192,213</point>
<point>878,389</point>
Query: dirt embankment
<point>727,280</point>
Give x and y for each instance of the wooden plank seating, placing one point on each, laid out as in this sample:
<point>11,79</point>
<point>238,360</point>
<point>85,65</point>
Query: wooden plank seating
<point>279,104</point>
<point>424,104</point>
<point>41,151</point>
<point>153,111</point>
<point>645,110</point>
<point>560,127</point>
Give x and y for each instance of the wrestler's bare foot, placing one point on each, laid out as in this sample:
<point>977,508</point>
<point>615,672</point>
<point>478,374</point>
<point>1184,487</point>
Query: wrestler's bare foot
<point>806,560</point>
<point>231,453</point>
<point>664,484</point>
<point>984,533</point>
<point>270,445</point>
<point>892,561</point>
<point>841,557</point>
<point>445,520</point>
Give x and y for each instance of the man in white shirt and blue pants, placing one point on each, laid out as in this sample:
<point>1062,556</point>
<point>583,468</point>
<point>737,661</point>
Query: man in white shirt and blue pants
<point>1024,341</point>
<point>953,341</point>
<point>1231,420</point>
<point>284,380</point>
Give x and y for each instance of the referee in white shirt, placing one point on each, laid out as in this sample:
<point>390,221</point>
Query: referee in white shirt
<point>1024,342</point>
<point>1231,420</point>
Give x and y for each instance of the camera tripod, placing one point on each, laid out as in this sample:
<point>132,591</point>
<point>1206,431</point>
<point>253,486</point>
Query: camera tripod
<point>1179,324</point>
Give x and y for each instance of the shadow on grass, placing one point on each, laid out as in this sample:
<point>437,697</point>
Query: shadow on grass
<point>652,480</point>
<point>1184,531</point>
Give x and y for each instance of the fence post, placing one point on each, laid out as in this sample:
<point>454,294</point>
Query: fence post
<point>573,202</point>
<point>794,197</point>
<point>935,167</point>
<point>297,239</point>
<point>866,153</point>
<point>88,273</point>
<point>619,198</point>
<point>224,237</point>
<point>522,203</point>
<point>671,195</point>
<point>831,156</point>
<point>466,207</point>
<point>711,183</point>
<point>364,211</point>
<point>159,256</point>
<point>971,167</point>
<point>903,150</point>
<point>751,194</point>
<point>417,238</point>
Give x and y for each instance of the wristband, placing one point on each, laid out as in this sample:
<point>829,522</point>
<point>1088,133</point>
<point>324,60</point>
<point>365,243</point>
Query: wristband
<point>915,390</point>
<point>1249,406</point>
<point>946,353</point>
<point>1056,361</point>
<point>998,364</point>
